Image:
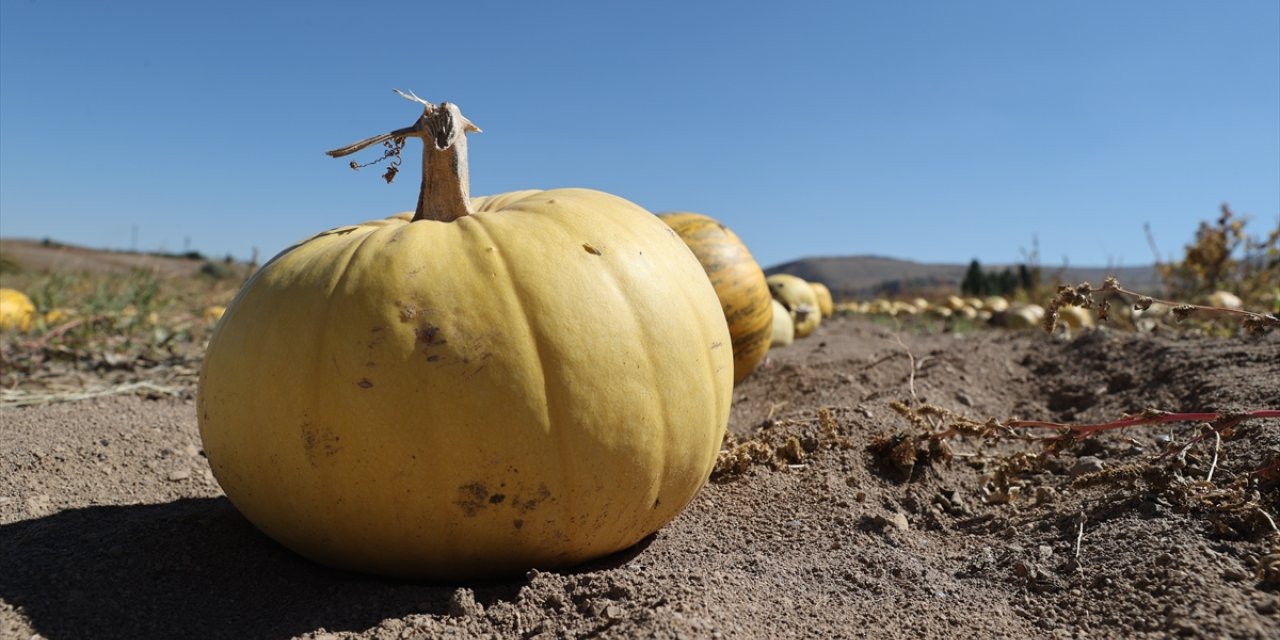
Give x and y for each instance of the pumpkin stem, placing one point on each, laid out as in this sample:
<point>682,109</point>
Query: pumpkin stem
<point>446,188</point>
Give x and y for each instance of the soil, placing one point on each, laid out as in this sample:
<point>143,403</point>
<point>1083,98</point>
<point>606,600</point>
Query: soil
<point>111,525</point>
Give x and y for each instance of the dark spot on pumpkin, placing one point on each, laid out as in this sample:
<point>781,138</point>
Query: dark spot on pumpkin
<point>517,523</point>
<point>432,358</point>
<point>472,497</point>
<point>364,383</point>
<point>316,442</point>
<point>657,502</point>
<point>496,498</point>
<point>532,503</point>
<point>590,249</point>
<point>430,335</point>
<point>377,338</point>
<point>717,345</point>
<point>408,311</point>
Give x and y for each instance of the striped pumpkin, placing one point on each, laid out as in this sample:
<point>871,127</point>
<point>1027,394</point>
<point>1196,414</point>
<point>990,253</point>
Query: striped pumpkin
<point>739,283</point>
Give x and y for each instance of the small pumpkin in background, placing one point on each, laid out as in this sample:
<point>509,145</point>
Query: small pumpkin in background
<point>16,310</point>
<point>213,313</point>
<point>825,304</point>
<point>477,388</point>
<point>57,316</point>
<point>1075,317</point>
<point>1224,300</point>
<point>784,330</point>
<point>739,283</point>
<point>800,301</point>
<point>1020,316</point>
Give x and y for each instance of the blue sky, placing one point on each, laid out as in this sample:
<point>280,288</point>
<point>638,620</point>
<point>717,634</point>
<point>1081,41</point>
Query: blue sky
<point>935,131</point>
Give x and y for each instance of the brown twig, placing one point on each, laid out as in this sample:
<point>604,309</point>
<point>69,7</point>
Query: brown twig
<point>1081,295</point>
<point>44,340</point>
<point>911,377</point>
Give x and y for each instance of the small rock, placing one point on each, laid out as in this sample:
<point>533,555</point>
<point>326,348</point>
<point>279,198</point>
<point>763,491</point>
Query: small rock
<point>1093,447</point>
<point>1085,466</point>
<point>179,475</point>
<point>1235,575</point>
<point>899,521</point>
<point>1045,551</point>
<point>463,603</point>
<point>1048,624</point>
<point>1148,508</point>
<point>191,450</point>
<point>1021,569</point>
<point>1045,495</point>
<point>544,629</point>
<point>964,399</point>
<point>1267,607</point>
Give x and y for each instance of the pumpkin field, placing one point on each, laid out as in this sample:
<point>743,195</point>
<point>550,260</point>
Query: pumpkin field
<point>555,414</point>
<point>897,468</point>
<point>661,320</point>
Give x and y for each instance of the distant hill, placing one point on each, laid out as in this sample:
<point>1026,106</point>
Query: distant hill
<point>49,255</point>
<point>846,276</point>
<point>865,276</point>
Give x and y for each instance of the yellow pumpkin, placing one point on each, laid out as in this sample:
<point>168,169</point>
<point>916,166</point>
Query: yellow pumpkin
<point>784,329</point>
<point>1075,317</point>
<point>484,386</point>
<point>16,310</point>
<point>799,299</point>
<point>1224,300</point>
<point>57,316</point>
<point>995,304</point>
<point>213,313</point>
<point>1022,316</point>
<point>825,304</point>
<point>739,283</point>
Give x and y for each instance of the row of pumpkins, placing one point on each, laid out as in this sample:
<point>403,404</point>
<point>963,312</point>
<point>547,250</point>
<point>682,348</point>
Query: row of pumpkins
<point>995,310</point>
<point>1001,312</point>
<point>19,313</point>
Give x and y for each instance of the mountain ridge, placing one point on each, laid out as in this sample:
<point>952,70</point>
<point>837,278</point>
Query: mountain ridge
<point>864,275</point>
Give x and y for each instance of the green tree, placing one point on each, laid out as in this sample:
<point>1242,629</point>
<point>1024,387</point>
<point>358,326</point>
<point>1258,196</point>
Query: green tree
<point>975,282</point>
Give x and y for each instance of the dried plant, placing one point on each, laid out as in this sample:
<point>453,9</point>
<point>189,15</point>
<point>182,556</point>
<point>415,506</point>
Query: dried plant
<point>1223,255</point>
<point>1082,295</point>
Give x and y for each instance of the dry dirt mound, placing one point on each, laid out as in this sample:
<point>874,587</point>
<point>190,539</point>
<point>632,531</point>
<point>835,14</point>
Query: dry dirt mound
<point>110,525</point>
